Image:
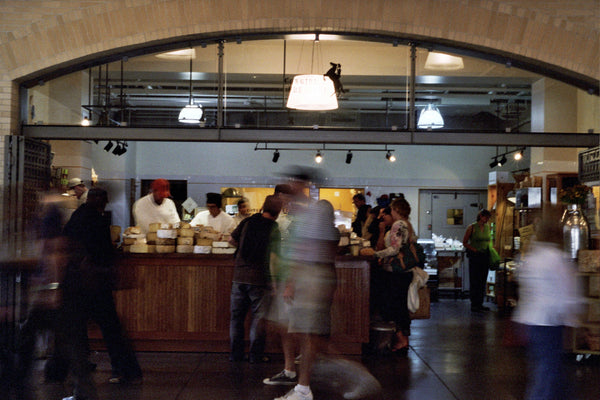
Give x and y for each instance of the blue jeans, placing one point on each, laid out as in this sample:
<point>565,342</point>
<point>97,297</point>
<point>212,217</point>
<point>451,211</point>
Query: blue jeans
<point>547,380</point>
<point>245,297</point>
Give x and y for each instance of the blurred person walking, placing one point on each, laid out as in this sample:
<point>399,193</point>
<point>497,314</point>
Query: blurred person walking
<point>88,286</point>
<point>549,300</point>
<point>310,288</point>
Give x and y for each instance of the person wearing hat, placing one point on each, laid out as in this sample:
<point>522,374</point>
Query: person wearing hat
<point>80,190</point>
<point>214,216</point>
<point>155,207</point>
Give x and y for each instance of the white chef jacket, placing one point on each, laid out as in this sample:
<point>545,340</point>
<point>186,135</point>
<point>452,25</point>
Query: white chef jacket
<point>223,222</point>
<point>146,211</point>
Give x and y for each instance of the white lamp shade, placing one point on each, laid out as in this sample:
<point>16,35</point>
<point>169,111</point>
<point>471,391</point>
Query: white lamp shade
<point>430,118</point>
<point>190,114</point>
<point>443,61</point>
<point>312,92</point>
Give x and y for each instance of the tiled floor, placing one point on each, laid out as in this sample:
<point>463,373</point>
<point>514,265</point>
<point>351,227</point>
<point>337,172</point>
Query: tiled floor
<point>454,355</point>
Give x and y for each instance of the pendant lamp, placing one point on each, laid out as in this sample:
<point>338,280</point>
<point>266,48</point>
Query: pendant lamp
<point>444,62</point>
<point>191,113</point>
<point>312,92</point>
<point>430,118</point>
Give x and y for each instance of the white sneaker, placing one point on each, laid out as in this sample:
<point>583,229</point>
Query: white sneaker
<point>294,395</point>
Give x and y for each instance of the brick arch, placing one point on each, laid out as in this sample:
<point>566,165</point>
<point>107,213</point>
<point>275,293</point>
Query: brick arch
<point>517,28</point>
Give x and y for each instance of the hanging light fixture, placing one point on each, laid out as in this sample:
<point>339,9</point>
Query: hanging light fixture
<point>430,118</point>
<point>318,157</point>
<point>494,163</point>
<point>85,121</point>
<point>312,92</point>
<point>276,156</point>
<point>442,61</point>
<point>518,155</point>
<point>108,146</point>
<point>502,160</point>
<point>191,113</point>
<point>390,157</point>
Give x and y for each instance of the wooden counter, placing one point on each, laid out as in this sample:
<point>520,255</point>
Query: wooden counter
<point>180,302</point>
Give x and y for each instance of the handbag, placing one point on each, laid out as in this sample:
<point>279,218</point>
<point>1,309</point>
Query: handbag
<point>494,258</point>
<point>424,310</point>
<point>410,255</point>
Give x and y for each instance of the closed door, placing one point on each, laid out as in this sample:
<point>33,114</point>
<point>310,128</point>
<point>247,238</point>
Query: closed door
<point>451,213</point>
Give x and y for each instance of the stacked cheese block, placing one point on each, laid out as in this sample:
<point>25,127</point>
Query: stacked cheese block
<point>176,238</point>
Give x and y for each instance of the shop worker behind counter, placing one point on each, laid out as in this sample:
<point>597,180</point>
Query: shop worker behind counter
<point>79,189</point>
<point>214,216</point>
<point>155,206</point>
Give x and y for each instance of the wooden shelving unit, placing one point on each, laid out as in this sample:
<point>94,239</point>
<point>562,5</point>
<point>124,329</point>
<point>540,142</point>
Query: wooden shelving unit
<point>585,339</point>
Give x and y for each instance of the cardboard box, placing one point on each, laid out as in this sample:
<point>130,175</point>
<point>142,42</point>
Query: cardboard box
<point>495,177</point>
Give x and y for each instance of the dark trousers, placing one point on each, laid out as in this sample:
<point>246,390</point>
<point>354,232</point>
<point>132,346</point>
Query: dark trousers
<point>246,297</point>
<point>393,298</point>
<point>547,380</point>
<point>478,272</point>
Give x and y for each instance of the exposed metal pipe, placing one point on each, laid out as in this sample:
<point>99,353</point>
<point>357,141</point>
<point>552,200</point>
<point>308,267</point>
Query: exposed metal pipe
<point>412,88</point>
<point>220,87</point>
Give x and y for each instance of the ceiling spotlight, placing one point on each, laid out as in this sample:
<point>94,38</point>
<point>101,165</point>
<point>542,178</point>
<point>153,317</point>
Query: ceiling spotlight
<point>502,161</point>
<point>85,121</point>
<point>390,157</point>
<point>318,157</point>
<point>494,163</point>
<point>108,146</point>
<point>349,157</point>
<point>519,155</point>
<point>117,149</point>
<point>276,156</point>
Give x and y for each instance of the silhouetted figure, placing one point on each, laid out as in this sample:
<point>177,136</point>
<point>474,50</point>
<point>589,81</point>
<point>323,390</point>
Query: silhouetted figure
<point>334,73</point>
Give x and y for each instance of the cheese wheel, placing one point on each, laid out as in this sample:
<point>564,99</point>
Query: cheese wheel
<point>202,249</point>
<point>204,242</point>
<point>183,248</point>
<point>185,241</point>
<point>166,225</point>
<point>151,237</point>
<point>184,225</point>
<point>220,244</point>
<point>166,233</point>
<point>125,248</point>
<point>186,232</point>
<point>223,250</point>
<point>153,227</point>
<point>165,242</point>
<point>138,248</point>
<point>134,230</point>
<point>128,241</point>
<point>165,249</point>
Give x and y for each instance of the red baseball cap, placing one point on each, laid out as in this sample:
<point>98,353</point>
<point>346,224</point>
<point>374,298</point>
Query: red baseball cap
<point>161,187</point>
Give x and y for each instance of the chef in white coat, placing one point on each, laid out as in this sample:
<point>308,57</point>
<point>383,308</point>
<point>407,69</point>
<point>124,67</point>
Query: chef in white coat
<point>215,217</point>
<point>155,207</point>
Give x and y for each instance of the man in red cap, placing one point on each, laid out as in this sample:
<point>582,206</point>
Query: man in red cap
<point>155,207</point>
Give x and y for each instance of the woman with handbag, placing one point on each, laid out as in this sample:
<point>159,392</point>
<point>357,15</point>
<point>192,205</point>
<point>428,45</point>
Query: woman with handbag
<point>477,241</point>
<point>396,274</point>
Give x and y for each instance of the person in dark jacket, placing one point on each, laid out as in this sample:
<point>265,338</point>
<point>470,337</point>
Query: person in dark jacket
<point>256,237</point>
<point>89,283</point>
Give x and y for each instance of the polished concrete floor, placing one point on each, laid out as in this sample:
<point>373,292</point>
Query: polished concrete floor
<point>454,355</point>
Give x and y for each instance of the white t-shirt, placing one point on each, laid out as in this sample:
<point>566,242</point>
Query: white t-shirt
<point>223,222</point>
<point>146,211</point>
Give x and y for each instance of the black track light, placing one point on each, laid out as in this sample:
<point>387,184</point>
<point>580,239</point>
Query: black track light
<point>494,163</point>
<point>502,160</point>
<point>117,149</point>
<point>108,146</point>
<point>318,157</point>
<point>390,157</point>
<point>276,156</point>
<point>349,157</point>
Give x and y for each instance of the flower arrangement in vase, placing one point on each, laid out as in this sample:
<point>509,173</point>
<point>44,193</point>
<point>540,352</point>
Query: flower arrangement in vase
<point>575,194</point>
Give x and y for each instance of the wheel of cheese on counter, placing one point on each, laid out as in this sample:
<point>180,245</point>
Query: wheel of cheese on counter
<point>132,230</point>
<point>151,238</point>
<point>183,225</point>
<point>223,250</point>
<point>166,242</point>
<point>128,241</point>
<point>202,249</point>
<point>221,244</point>
<point>185,241</point>
<point>204,242</point>
<point>183,232</point>
<point>166,225</point>
<point>138,248</point>
<point>184,248</point>
<point>167,233</point>
<point>165,248</point>
<point>153,227</point>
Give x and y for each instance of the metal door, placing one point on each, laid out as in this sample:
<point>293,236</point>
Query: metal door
<point>451,213</point>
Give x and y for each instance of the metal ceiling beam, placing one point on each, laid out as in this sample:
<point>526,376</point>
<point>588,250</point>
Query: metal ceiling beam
<point>433,138</point>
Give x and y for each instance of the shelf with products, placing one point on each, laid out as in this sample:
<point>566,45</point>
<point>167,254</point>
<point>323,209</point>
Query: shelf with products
<point>585,338</point>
